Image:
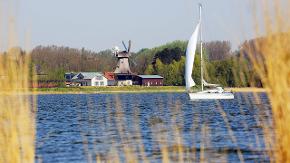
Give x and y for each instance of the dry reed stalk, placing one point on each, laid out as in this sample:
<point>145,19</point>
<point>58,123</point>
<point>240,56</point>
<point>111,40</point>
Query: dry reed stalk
<point>275,80</point>
<point>230,131</point>
<point>179,149</point>
<point>178,136</point>
<point>202,145</point>
<point>128,151</point>
<point>195,125</point>
<point>271,59</point>
<point>140,145</point>
<point>98,159</point>
<point>17,112</point>
<point>17,118</point>
<point>165,155</point>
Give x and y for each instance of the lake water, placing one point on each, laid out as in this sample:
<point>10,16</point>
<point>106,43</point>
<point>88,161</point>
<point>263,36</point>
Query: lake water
<point>78,128</point>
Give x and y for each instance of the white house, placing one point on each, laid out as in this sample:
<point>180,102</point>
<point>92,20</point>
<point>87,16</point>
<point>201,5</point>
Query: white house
<point>90,79</point>
<point>99,80</point>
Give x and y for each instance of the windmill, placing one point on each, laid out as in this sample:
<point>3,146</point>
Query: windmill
<point>123,66</point>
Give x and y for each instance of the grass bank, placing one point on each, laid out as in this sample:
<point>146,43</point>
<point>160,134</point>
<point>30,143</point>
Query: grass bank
<point>129,89</point>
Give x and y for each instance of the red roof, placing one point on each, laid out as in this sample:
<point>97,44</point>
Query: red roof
<point>109,75</point>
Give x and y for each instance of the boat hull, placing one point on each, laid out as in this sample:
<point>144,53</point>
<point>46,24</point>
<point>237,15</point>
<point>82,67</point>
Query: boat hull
<point>211,96</point>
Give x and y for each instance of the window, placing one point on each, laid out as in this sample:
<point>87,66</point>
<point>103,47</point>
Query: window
<point>99,78</point>
<point>97,83</point>
<point>102,83</point>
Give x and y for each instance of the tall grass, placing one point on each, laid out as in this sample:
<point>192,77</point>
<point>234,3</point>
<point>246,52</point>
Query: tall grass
<point>17,128</point>
<point>271,58</point>
<point>17,107</point>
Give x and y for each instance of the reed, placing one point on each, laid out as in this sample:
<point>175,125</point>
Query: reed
<point>17,125</point>
<point>17,107</point>
<point>271,58</point>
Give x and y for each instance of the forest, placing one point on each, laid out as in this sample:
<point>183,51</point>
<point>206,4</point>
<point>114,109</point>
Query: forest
<point>223,66</point>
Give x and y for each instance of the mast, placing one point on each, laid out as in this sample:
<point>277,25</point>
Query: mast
<point>201,59</point>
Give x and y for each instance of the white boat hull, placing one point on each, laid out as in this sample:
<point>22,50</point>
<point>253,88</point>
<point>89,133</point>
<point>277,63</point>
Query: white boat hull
<point>211,96</point>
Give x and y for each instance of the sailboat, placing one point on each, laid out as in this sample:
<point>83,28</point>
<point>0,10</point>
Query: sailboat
<point>213,91</point>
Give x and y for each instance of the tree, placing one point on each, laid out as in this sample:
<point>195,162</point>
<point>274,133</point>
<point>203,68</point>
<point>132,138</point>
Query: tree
<point>168,55</point>
<point>149,70</point>
<point>218,50</point>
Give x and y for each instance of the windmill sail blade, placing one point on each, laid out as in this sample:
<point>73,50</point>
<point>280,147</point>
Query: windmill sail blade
<point>190,54</point>
<point>129,46</point>
<point>125,46</point>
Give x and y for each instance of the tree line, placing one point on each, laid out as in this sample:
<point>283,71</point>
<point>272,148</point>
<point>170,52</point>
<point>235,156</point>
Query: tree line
<point>221,65</point>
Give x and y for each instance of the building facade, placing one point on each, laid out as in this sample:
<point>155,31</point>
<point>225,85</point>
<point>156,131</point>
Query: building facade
<point>99,81</point>
<point>112,79</point>
<point>110,76</point>
<point>124,79</point>
<point>150,80</point>
<point>90,79</point>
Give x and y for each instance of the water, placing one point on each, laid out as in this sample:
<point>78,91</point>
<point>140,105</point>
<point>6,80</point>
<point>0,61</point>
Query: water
<point>77,128</point>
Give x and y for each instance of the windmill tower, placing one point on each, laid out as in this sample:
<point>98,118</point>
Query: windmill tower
<point>123,66</point>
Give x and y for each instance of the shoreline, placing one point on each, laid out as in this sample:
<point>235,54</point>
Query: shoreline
<point>118,90</point>
<point>109,90</point>
<point>247,89</point>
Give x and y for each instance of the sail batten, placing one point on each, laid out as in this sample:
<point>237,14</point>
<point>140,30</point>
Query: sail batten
<point>190,54</point>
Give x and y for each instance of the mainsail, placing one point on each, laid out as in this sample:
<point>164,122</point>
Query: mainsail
<point>190,54</point>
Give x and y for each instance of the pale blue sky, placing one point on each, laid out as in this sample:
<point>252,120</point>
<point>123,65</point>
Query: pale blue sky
<point>102,24</point>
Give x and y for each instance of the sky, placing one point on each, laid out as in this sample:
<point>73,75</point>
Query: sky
<point>102,24</point>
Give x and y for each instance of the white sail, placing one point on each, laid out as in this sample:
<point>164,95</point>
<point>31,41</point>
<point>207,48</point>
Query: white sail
<point>216,92</point>
<point>190,54</point>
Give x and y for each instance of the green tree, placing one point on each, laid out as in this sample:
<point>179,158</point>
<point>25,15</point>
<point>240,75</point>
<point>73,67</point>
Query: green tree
<point>159,67</point>
<point>149,70</point>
